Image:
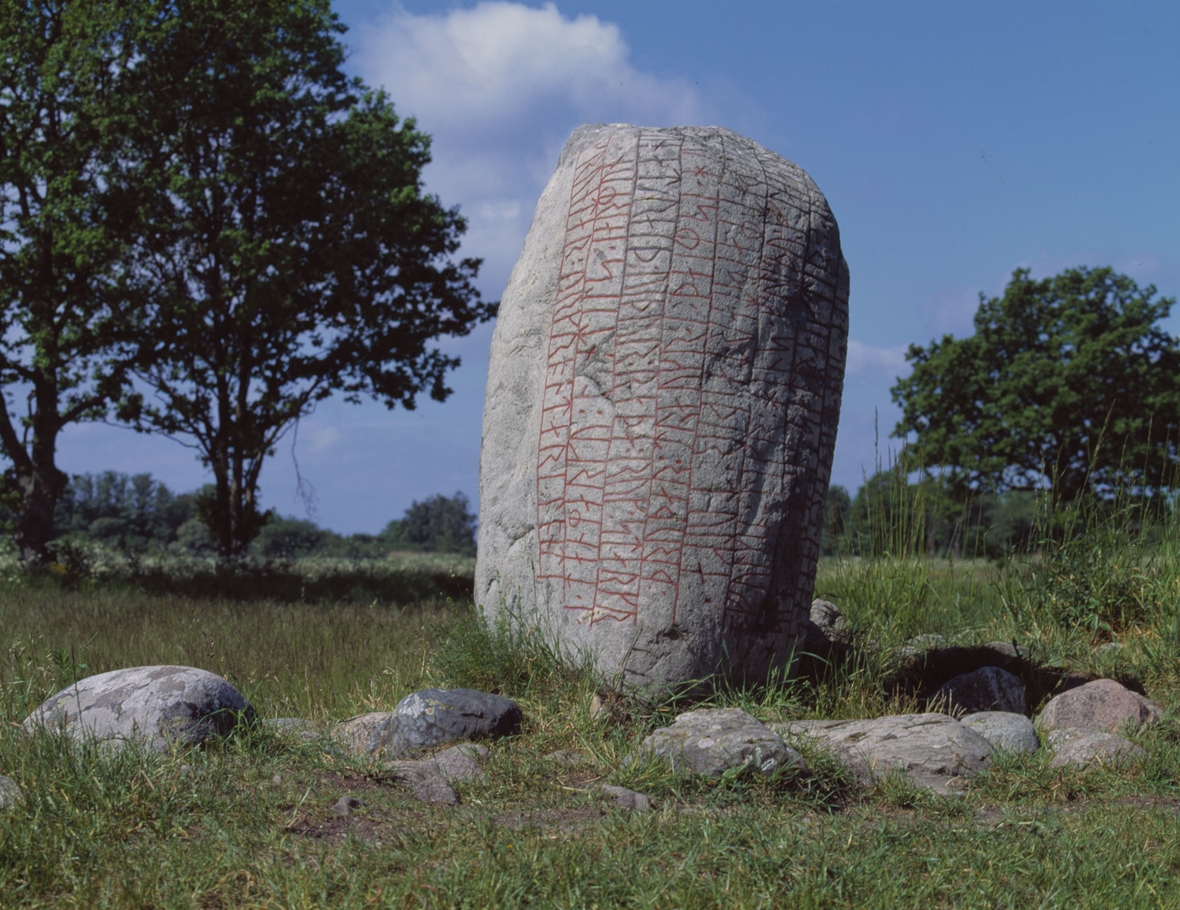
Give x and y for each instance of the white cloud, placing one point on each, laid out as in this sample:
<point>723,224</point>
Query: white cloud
<point>490,68</point>
<point>500,87</point>
<point>866,360</point>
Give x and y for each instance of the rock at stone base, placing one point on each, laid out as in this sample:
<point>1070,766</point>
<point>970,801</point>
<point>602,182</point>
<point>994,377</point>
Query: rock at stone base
<point>710,741</point>
<point>985,689</point>
<point>584,534</point>
<point>426,780</point>
<point>157,706</point>
<point>1103,705</point>
<point>1006,731</point>
<point>930,749</point>
<point>10,793</point>
<point>432,717</point>
<point>1076,746</point>
<point>628,799</point>
<point>459,762</point>
<point>364,734</point>
<point>293,726</point>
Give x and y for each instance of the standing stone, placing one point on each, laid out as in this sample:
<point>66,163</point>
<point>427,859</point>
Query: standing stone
<point>663,391</point>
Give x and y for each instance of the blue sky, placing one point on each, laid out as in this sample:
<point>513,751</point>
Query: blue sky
<point>955,142</point>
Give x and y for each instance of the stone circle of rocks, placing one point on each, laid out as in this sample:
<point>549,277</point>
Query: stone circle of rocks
<point>930,749</point>
<point>1083,723</point>
<point>158,707</point>
<point>985,689</point>
<point>429,718</point>
<point>663,390</point>
<point>1005,730</point>
<point>711,741</point>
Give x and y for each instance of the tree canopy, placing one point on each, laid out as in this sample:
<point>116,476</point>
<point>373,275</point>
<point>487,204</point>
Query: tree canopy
<point>68,314</point>
<point>286,245</point>
<point>1068,380</point>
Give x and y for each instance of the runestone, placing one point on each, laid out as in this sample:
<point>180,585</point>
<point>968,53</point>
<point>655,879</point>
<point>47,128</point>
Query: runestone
<point>663,393</point>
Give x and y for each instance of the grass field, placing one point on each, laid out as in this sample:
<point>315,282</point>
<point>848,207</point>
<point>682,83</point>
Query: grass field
<point>247,822</point>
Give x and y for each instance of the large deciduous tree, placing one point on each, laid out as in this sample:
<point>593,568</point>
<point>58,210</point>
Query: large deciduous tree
<point>1069,380</point>
<point>67,313</point>
<point>288,244</point>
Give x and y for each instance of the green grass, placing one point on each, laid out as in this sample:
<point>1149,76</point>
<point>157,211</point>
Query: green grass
<point>247,822</point>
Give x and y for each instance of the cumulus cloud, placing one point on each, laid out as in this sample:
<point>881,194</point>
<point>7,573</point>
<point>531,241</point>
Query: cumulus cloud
<point>869,361</point>
<point>500,86</point>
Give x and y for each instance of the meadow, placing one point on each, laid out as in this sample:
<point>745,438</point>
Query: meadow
<point>247,822</point>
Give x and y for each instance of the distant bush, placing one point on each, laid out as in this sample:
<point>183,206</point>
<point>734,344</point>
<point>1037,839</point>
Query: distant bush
<point>439,524</point>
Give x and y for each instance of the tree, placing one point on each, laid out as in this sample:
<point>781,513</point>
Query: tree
<point>127,512</point>
<point>1068,380</point>
<point>439,523</point>
<point>67,308</point>
<point>288,244</point>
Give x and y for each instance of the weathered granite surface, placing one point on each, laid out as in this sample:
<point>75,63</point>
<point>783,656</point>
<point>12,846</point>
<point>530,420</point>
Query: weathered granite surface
<point>431,717</point>
<point>930,749</point>
<point>710,741</point>
<point>1079,746</point>
<point>985,689</point>
<point>1103,704</point>
<point>663,392</point>
<point>158,706</point>
<point>1004,730</point>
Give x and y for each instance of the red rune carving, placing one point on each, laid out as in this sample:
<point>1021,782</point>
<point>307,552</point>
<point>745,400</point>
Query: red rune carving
<point>668,380</point>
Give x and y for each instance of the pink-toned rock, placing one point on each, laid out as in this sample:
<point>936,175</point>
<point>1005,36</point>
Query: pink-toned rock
<point>1099,705</point>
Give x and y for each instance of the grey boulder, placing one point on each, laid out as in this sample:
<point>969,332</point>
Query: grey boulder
<point>930,749</point>
<point>1103,705</point>
<point>432,717</point>
<point>1075,746</point>
<point>460,762</point>
<point>985,689</point>
<point>711,741</point>
<point>628,799</point>
<point>157,706</point>
<point>1005,730</point>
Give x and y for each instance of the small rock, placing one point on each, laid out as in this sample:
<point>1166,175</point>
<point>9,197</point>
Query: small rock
<point>10,793</point>
<point>458,762</point>
<point>365,733</point>
<point>598,708</point>
<point>710,741</point>
<point>1103,705</point>
<point>628,799</point>
<point>293,726</point>
<point>930,749</point>
<point>1111,647</point>
<point>345,805</point>
<point>157,706</point>
<point>562,757</point>
<point>277,779</point>
<point>427,781</point>
<point>432,717</point>
<point>985,689</point>
<point>1076,746</point>
<point>1006,731</point>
